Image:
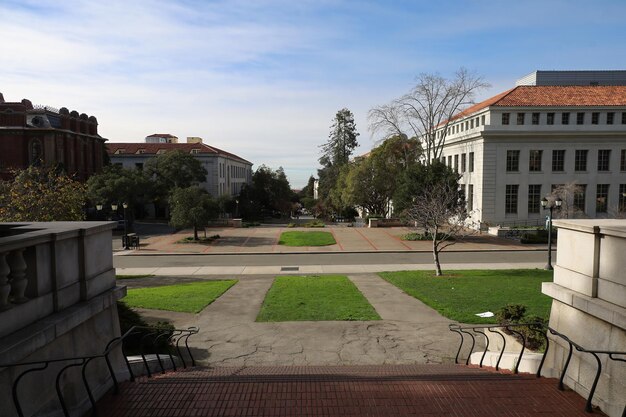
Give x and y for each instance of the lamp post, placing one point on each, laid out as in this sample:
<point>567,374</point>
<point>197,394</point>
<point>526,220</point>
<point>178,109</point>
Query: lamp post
<point>99,211</point>
<point>237,208</point>
<point>550,205</point>
<point>125,205</point>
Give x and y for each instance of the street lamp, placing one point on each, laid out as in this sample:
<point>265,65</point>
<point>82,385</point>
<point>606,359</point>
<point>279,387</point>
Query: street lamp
<point>125,205</point>
<point>550,205</point>
<point>237,208</point>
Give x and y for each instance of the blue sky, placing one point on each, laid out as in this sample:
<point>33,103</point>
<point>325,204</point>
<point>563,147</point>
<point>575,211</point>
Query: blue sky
<point>264,79</point>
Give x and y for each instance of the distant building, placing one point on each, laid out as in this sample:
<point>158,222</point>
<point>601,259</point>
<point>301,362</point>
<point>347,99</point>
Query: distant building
<point>161,138</point>
<point>33,134</point>
<point>226,172</point>
<point>518,146</point>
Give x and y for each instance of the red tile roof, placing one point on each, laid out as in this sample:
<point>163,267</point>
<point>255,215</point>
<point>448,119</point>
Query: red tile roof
<point>153,148</point>
<point>554,96</point>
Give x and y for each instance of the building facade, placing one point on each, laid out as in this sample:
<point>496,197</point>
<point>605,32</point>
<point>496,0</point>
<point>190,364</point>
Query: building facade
<point>521,145</point>
<point>42,135</point>
<point>226,172</point>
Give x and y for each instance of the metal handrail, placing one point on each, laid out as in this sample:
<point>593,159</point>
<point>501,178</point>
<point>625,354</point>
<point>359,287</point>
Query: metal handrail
<point>490,327</point>
<point>613,355</point>
<point>173,335</point>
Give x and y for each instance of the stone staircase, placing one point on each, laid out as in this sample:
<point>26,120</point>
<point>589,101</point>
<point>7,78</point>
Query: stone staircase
<point>384,390</point>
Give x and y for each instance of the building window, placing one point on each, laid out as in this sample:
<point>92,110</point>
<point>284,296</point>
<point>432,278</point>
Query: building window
<point>558,160</point>
<point>535,119</point>
<point>604,156</point>
<point>471,161</point>
<point>119,151</point>
<point>550,118</point>
<point>595,118</point>
<point>520,118</point>
<point>621,206</point>
<point>472,124</point>
<point>510,203</point>
<point>512,161</point>
<point>195,151</point>
<point>624,118</point>
<point>602,196</point>
<point>140,151</point>
<point>610,117</point>
<point>463,162</point>
<point>505,118</point>
<point>470,197</point>
<point>456,162</point>
<point>450,160</point>
<point>534,161</point>
<point>579,197</point>
<point>534,198</point>
<point>580,118</point>
<point>564,118</point>
<point>622,161</point>
<point>139,166</point>
<point>580,160</point>
<point>482,120</point>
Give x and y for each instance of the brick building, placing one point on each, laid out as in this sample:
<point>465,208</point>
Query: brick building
<point>43,135</point>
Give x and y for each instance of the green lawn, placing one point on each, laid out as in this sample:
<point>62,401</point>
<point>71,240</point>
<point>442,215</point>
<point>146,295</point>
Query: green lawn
<point>187,298</point>
<point>306,239</point>
<point>461,294</point>
<point>315,298</point>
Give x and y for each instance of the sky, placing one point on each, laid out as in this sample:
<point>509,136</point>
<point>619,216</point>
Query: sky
<point>264,78</point>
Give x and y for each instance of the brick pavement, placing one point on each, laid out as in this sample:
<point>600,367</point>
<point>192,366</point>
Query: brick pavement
<point>391,390</point>
<point>349,239</point>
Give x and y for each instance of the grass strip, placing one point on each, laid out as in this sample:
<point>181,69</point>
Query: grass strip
<point>187,298</point>
<point>298,238</point>
<point>460,295</point>
<point>315,298</point>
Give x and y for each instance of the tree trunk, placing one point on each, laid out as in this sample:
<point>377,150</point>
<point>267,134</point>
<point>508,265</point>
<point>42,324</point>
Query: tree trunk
<point>195,233</point>
<point>436,256</point>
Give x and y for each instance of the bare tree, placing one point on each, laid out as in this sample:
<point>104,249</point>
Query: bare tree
<point>442,216</point>
<point>426,111</point>
<point>568,193</point>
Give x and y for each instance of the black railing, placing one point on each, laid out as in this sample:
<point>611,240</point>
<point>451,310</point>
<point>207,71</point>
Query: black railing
<point>173,338</point>
<point>461,330</point>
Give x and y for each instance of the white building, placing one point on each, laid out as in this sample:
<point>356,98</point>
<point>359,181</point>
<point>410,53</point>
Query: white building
<point>226,172</point>
<point>515,148</point>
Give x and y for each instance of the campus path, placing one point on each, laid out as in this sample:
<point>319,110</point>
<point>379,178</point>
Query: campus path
<point>409,332</point>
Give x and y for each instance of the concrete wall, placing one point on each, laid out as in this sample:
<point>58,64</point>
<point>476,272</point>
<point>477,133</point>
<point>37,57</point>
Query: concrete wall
<point>589,306</point>
<point>67,309</point>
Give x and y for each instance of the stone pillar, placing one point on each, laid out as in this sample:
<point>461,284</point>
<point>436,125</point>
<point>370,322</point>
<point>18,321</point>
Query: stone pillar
<point>589,306</point>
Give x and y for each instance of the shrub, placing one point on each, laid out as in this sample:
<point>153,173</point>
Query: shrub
<point>511,313</point>
<point>413,236</point>
<point>290,225</point>
<point>133,343</point>
<point>314,223</point>
<point>514,314</point>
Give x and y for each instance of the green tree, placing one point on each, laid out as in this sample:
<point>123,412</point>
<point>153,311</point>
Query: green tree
<point>39,194</point>
<point>336,152</point>
<point>342,139</point>
<point>418,178</point>
<point>371,181</point>
<point>191,207</point>
<point>270,191</point>
<point>175,169</point>
<point>117,185</point>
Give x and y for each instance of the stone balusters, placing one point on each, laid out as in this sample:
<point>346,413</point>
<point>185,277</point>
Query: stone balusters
<point>13,279</point>
<point>5,287</point>
<point>18,276</point>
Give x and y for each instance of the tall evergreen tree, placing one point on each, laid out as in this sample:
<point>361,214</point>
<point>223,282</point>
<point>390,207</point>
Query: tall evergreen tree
<point>342,140</point>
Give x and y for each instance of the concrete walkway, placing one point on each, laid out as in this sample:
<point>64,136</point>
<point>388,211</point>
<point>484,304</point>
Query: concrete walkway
<point>409,332</point>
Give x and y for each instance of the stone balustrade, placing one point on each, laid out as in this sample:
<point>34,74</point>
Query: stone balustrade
<point>57,300</point>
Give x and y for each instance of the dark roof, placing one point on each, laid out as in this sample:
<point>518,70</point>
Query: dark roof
<point>154,148</point>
